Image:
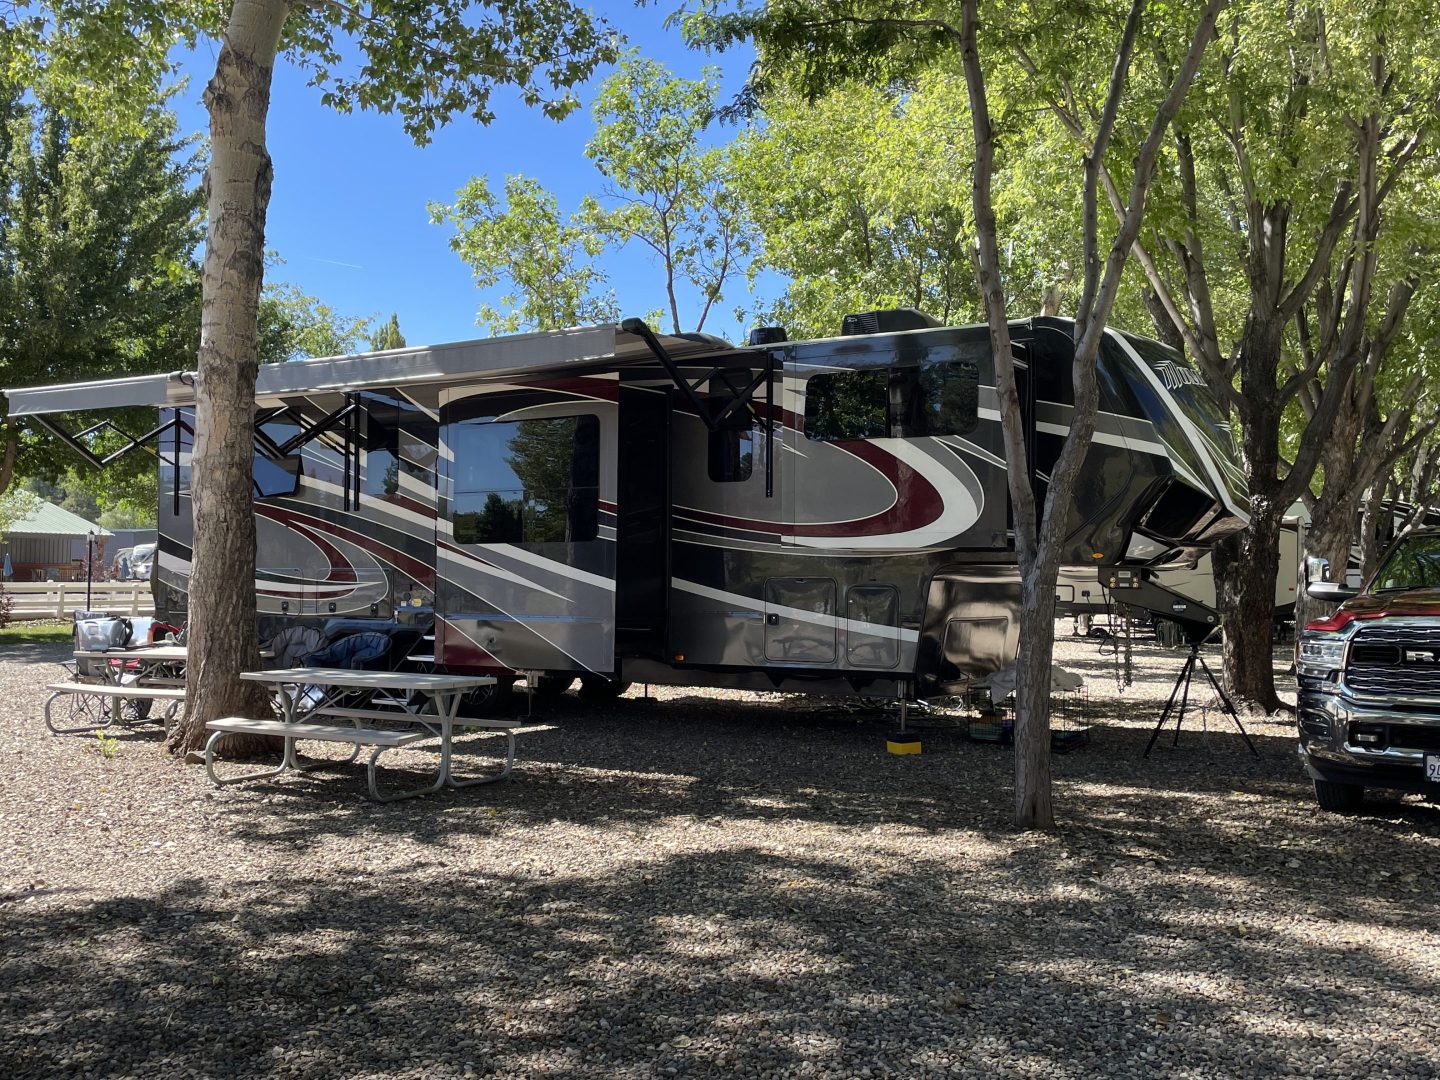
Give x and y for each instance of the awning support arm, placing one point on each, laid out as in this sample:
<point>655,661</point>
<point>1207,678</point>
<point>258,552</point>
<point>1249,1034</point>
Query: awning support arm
<point>320,427</point>
<point>132,442</point>
<point>640,329</point>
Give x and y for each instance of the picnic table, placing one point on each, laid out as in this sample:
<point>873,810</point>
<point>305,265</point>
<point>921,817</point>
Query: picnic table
<point>427,705</point>
<point>144,674</point>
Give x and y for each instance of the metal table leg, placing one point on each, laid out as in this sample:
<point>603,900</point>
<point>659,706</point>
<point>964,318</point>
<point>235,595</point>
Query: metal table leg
<point>447,750</point>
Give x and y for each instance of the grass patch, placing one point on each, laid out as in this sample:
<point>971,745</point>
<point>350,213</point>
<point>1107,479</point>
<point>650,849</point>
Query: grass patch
<point>37,631</point>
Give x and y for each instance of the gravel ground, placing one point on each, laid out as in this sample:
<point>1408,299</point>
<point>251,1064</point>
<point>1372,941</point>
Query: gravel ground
<point>698,886</point>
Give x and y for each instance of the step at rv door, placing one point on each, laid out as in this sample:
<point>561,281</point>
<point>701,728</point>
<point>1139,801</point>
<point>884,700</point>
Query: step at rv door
<point>526,541</point>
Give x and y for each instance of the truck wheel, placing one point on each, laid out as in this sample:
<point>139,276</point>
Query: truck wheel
<point>1339,798</point>
<point>598,690</point>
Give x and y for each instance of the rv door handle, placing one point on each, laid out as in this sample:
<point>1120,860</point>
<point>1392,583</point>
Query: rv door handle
<point>773,620</point>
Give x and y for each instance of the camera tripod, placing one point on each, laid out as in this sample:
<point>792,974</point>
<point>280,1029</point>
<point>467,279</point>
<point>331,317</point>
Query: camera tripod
<point>1181,691</point>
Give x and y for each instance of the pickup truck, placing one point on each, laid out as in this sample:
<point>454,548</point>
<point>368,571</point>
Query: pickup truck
<point>1369,678</point>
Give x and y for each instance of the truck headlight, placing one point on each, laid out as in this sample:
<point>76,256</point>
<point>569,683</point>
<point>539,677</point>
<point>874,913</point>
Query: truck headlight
<point>1320,655</point>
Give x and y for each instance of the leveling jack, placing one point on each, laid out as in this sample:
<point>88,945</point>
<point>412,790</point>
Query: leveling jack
<point>901,740</point>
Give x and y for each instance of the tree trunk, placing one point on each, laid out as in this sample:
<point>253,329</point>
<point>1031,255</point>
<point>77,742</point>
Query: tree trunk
<point>1033,802</point>
<point>222,631</point>
<point>1050,301</point>
<point>7,458</point>
<point>1330,536</point>
<point>1373,531</point>
<point>1246,566</point>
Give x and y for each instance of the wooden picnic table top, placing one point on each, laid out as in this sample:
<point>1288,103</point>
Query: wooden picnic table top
<point>368,680</point>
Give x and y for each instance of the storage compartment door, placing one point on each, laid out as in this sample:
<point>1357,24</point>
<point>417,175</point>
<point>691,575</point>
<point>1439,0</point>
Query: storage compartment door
<point>800,620</point>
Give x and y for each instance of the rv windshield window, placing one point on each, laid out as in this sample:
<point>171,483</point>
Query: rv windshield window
<point>526,481</point>
<point>843,405</point>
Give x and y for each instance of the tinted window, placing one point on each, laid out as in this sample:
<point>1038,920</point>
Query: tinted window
<point>399,437</point>
<point>936,399</point>
<point>732,455</point>
<point>846,405</point>
<point>1414,563</point>
<point>270,478</point>
<point>526,481</point>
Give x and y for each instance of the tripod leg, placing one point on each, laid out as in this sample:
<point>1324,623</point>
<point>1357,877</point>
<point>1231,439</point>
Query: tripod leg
<point>1189,673</point>
<point>1165,715</point>
<point>1228,706</point>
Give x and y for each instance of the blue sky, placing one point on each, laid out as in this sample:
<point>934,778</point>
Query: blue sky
<point>348,211</point>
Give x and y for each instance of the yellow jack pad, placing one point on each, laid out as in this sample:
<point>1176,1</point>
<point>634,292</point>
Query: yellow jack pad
<point>903,744</point>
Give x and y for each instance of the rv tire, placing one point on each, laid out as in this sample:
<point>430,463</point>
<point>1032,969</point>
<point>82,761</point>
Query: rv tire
<point>550,688</point>
<point>492,700</point>
<point>598,690</point>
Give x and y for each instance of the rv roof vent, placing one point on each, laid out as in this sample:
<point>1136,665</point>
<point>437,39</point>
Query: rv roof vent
<point>889,321</point>
<point>767,335</point>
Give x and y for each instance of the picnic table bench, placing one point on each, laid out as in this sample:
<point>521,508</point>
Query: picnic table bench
<point>115,693</point>
<point>142,674</point>
<point>294,686</point>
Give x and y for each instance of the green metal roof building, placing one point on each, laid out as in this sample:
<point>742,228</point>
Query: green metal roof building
<point>49,543</point>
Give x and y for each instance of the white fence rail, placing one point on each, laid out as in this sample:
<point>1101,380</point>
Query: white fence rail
<point>57,599</point>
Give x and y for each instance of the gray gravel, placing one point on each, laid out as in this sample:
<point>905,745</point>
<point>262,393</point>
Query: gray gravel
<point>700,887</point>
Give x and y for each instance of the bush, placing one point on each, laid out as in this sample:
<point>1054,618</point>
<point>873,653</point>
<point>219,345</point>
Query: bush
<point>6,602</point>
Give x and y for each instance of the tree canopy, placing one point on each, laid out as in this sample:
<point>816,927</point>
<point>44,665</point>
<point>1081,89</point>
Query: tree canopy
<point>98,231</point>
<point>659,187</point>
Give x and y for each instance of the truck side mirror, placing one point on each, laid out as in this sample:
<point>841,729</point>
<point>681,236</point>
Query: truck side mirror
<point>1318,585</point>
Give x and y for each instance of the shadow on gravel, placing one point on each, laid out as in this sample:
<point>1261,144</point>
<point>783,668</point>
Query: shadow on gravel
<point>728,962</point>
<point>692,889</point>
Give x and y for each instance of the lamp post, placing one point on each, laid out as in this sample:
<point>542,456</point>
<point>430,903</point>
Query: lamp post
<point>89,565</point>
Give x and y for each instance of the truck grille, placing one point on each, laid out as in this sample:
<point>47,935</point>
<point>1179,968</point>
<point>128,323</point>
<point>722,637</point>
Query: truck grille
<point>1399,661</point>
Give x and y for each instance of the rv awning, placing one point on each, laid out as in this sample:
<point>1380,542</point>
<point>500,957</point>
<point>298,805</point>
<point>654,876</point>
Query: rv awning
<point>459,362</point>
<point>172,389</point>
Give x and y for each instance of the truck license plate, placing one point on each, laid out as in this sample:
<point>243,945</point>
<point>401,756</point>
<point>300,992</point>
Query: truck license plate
<point>1432,768</point>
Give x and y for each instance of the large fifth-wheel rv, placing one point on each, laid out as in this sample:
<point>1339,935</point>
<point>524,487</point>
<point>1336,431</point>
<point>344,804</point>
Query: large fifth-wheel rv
<point>609,504</point>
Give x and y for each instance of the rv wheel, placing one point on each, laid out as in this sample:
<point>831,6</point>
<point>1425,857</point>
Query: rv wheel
<point>493,700</point>
<point>550,688</point>
<point>598,690</point>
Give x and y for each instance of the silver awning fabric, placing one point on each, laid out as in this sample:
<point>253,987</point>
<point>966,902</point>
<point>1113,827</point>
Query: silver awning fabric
<point>171,389</point>
<point>460,362</point>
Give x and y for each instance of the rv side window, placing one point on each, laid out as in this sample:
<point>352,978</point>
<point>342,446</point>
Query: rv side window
<point>732,455</point>
<point>846,405</point>
<point>273,477</point>
<point>399,438</point>
<point>526,481</point>
<point>269,478</point>
<point>936,398</point>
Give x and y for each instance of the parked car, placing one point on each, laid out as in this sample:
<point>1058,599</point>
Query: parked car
<point>140,558</point>
<point>1369,678</point>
